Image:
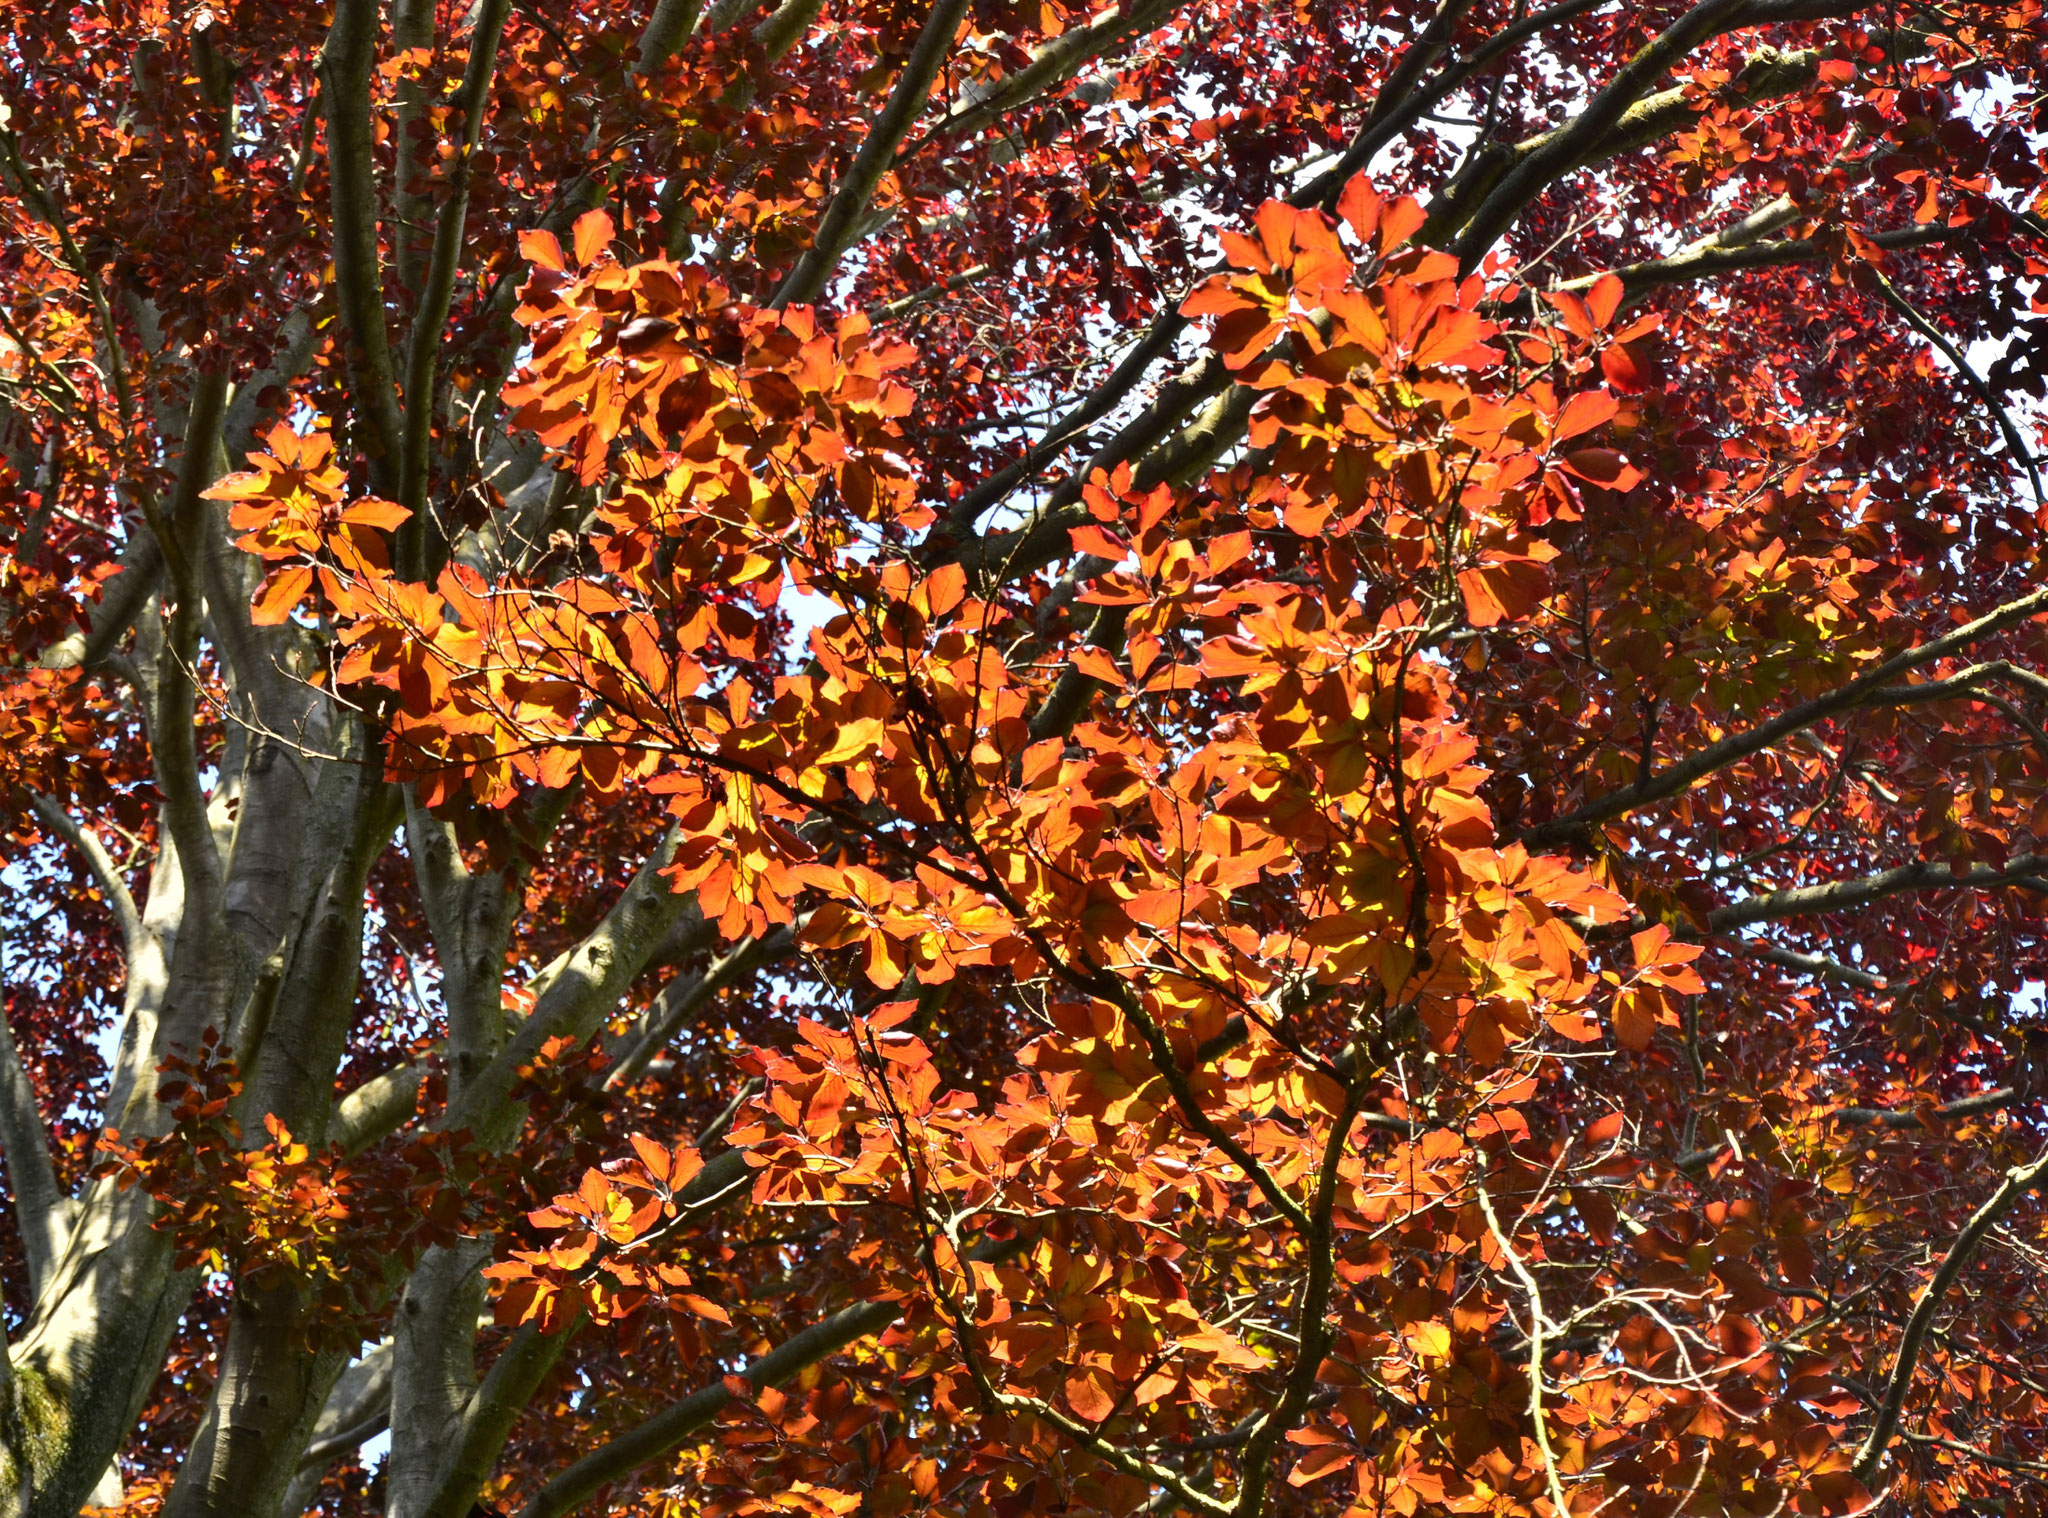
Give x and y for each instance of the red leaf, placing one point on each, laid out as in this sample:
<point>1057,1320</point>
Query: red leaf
<point>1583,412</point>
<point>1602,466</point>
<point>1622,369</point>
<point>1604,299</point>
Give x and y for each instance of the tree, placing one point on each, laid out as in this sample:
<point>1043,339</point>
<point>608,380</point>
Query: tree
<point>1199,759</point>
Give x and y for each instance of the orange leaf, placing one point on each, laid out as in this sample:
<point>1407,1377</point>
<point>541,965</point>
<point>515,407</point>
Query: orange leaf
<point>1602,466</point>
<point>1158,909</point>
<point>1091,1393</point>
<point>703,1307</point>
<point>1096,663</point>
<point>1323,1460</point>
<point>1214,297</point>
<point>1504,591</point>
<point>279,594</point>
<point>1635,1017</point>
<point>1359,207</point>
<point>594,233</point>
<point>1092,539</point>
<point>1648,945</point>
<point>371,512</point>
<point>1399,221</point>
<point>542,249</point>
<point>1243,253</point>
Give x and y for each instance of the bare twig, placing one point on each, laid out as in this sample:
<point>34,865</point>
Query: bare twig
<point>1536,1332</point>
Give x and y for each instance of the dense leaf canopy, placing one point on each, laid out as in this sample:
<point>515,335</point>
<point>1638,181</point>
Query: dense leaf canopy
<point>989,760</point>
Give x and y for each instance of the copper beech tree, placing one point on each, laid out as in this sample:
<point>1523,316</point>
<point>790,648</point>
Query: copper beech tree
<point>990,759</point>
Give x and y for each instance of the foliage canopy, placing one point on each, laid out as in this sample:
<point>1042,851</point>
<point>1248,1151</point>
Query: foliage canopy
<point>984,759</point>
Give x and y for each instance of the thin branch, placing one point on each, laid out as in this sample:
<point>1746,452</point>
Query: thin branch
<point>1817,965</point>
<point>1712,257</point>
<point>377,1108</point>
<point>1994,1100</point>
<point>347,64</point>
<point>172,731</point>
<point>1864,690</point>
<point>668,1428</point>
<point>1312,1330</point>
<point>1051,65</point>
<point>1623,116</point>
<point>1983,391</point>
<point>1996,1462</point>
<point>172,708</point>
<point>358,1408</point>
<point>488,1418</point>
<point>667,29</point>
<point>1167,453</point>
<point>578,992</point>
<point>1392,113</point>
<point>255,656</point>
<point>372,1424</point>
<point>197,461</point>
<point>1842,895</point>
<point>38,200</point>
<point>682,997</point>
<point>122,600</point>
<point>414,25</point>
<point>839,225</point>
<point>785,25</point>
<point>105,873</point>
<point>1400,104</point>
<point>1073,690</point>
<point>2018,1181</point>
<point>423,348</point>
<point>40,1206</point>
<point>1136,1466</point>
<point>1896,1118</point>
<point>1160,1050</point>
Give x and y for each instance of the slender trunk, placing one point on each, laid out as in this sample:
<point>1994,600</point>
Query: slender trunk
<point>268,1398</point>
<point>433,1371</point>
